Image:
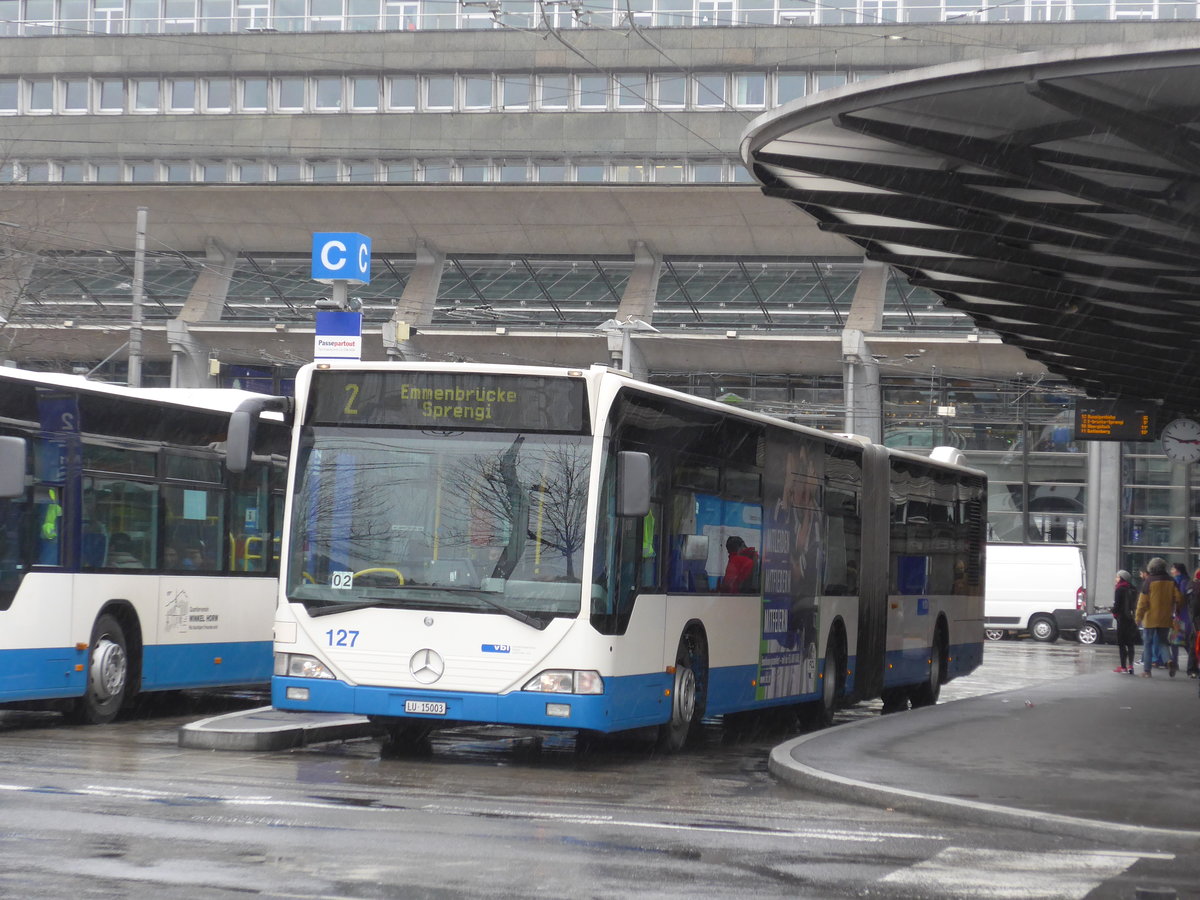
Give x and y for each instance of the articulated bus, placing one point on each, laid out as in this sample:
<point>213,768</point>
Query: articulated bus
<point>130,560</point>
<point>574,549</point>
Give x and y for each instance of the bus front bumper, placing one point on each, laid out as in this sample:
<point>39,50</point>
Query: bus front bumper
<point>642,701</point>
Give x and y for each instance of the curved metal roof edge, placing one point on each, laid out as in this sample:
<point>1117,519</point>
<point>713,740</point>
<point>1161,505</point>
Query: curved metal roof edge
<point>1161,53</point>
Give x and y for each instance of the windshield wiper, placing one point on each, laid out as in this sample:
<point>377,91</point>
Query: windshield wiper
<point>524,618</point>
<point>335,607</point>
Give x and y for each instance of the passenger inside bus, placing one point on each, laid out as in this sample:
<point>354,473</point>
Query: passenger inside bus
<point>741,570</point>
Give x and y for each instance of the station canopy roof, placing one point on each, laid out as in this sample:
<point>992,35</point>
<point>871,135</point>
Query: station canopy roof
<point>1053,197</point>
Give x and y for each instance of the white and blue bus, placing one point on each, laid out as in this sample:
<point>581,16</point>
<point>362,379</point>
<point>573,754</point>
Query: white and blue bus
<point>556,548</point>
<point>130,560</point>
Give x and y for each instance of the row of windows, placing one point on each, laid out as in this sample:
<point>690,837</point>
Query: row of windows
<point>40,17</point>
<point>429,171</point>
<point>482,92</point>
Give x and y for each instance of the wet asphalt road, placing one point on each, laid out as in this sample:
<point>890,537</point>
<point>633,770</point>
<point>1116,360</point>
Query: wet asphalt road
<point>122,811</point>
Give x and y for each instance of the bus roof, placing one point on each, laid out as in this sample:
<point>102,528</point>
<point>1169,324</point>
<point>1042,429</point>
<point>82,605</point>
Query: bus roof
<point>222,400</point>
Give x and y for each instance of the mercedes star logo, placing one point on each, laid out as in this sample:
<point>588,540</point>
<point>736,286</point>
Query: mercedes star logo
<point>427,666</point>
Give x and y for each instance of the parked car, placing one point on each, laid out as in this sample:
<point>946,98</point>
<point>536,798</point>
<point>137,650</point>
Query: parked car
<point>1100,628</point>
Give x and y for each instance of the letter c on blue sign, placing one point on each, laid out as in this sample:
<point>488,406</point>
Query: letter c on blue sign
<point>327,259</point>
<point>341,256</point>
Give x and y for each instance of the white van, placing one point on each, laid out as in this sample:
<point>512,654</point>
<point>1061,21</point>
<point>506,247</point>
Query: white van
<point>1037,589</point>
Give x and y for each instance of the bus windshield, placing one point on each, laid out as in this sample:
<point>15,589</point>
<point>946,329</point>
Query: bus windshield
<point>485,522</point>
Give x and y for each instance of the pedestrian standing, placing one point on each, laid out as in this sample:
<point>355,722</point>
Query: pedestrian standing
<point>1125,598</point>
<point>1157,604</point>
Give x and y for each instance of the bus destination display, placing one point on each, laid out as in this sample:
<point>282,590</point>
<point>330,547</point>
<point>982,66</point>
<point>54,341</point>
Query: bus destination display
<point>458,401</point>
<point>1113,420</point>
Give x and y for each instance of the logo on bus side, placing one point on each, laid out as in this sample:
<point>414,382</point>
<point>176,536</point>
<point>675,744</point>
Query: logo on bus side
<point>180,617</point>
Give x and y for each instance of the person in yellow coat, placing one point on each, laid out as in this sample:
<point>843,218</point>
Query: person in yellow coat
<point>1158,602</point>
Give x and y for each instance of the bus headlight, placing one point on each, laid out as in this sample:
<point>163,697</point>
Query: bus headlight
<point>298,665</point>
<point>566,681</point>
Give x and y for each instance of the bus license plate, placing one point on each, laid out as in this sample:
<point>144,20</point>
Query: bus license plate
<point>425,707</point>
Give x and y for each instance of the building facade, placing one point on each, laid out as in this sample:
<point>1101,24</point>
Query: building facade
<point>542,182</point>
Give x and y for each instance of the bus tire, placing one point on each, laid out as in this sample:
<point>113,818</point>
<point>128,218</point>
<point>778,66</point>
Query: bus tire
<point>833,679</point>
<point>107,674</point>
<point>688,695</point>
<point>927,693</point>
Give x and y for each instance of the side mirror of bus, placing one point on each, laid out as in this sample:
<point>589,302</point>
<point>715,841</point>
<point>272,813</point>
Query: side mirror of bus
<point>633,483</point>
<point>12,467</point>
<point>243,426</point>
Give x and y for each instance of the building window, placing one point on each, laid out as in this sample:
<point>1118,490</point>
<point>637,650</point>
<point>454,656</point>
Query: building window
<point>477,92</point>
<point>218,94</point>
<point>141,172</point>
<point>41,95</point>
<point>670,91</point>
<point>513,171</point>
<point>669,172</point>
<point>145,95</point>
<point>214,172</point>
<point>514,92</point>
<point>708,172</point>
<point>181,94</point>
<point>402,92</point>
<point>106,173</point>
<point>289,94</point>
<point>249,172</point>
<point>554,91</point>
<point>75,95</point>
<point>327,93</point>
<point>591,92</point>
<point>288,172</point>
<point>474,172</point>
<point>9,96</point>
<point>360,171</point>
<point>178,172</point>
<point>400,172</point>
<point>790,86</point>
<point>551,172</point>
<point>71,173</point>
<point>254,94</point>
<point>325,172</point>
<point>111,95</point>
<point>631,91</point>
<point>750,90</point>
<point>364,94</point>
<point>439,92</point>
<point>589,171</point>
<point>437,171</point>
<point>710,91</point>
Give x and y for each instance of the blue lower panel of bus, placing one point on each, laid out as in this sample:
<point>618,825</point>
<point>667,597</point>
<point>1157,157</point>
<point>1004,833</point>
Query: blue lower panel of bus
<point>912,666</point>
<point>51,673</point>
<point>46,673</point>
<point>628,702</point>
<point>169,667</point>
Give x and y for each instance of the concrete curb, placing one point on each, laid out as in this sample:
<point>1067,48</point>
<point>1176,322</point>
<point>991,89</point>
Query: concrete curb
<point>784,765</point>
<point>267,728</point>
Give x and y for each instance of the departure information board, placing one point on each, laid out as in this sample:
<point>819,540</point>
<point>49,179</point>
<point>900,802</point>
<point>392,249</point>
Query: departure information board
<point>1114,420</point>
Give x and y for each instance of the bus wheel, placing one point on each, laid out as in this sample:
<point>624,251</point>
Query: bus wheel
<point>687,696</point>
<point>107,674</point>
<point>927,694</point>
<point>832,681</point>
